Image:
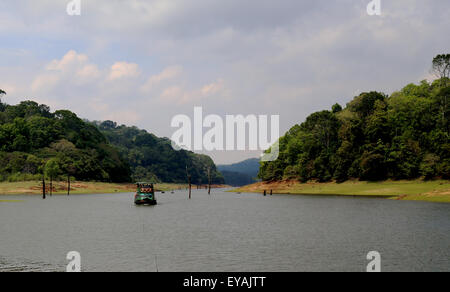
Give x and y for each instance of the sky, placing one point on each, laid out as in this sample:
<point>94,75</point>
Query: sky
<point>142,62</point>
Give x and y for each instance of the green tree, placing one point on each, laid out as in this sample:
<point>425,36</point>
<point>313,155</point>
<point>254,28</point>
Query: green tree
<point>402,136</point>
<point>336,108</point>
<point>377,126</point>
<point>364,104</point>
<point>428,168</point>
<point>441,66</point>
<point>51,171</point>
<point>153,158</point>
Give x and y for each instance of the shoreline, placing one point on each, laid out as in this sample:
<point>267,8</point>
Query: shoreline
<point>415,190</point>
<point>33,188</point>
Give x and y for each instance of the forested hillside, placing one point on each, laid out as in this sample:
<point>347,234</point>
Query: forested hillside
<point>33,141</point>
<point>375,137</point>
<point>242,173</point>
<point>249,167</point>
<point>153,159</point>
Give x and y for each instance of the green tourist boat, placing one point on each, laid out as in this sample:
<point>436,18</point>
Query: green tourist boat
<point>145,194</point>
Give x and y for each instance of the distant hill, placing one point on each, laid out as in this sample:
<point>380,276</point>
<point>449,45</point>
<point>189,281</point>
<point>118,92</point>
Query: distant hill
<point>153,159</point>
<point>242,173</point>
<point>249,167</point>
<point>237,179</point>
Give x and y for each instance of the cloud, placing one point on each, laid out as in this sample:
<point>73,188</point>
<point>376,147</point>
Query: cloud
<point>180,96</point>
<point>72,68</point>
<point>124,59</point>
<point>70,60</point>
<point>123,70</point>
<point>167,74</point>
<point>213,88</point>
<point>88,72</point>
<point>118,92</point>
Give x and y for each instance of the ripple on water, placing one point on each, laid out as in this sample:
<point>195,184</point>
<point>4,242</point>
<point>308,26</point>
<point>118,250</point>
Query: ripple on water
<point>23,265</point>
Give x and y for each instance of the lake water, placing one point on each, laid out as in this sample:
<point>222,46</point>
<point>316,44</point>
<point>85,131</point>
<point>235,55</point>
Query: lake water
<point>223,232</point>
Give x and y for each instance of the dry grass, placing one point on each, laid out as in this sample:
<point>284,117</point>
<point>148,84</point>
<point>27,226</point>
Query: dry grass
<point>435,191</point>
<point>59,188</point>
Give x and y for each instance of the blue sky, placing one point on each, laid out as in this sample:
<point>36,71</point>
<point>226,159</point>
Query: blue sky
<point>142,62</point>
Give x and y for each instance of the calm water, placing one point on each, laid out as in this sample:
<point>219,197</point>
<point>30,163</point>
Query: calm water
<point>223,232</point>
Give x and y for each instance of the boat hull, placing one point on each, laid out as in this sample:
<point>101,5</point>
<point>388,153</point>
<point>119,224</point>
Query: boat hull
<point>146,202</point>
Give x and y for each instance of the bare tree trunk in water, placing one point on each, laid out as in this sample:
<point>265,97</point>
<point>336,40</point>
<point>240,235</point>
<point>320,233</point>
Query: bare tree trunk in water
<point>43,188</point>
<point>190,187</point>
<point>68,185</point>
<point>189,182</point>
<point>209,181</point>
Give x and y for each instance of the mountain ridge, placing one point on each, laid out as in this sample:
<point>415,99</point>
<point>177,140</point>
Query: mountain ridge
<point>241,173</point>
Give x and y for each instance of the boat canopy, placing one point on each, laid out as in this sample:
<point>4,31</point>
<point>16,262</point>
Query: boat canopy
<point>144,184</point>
<point>146,188</point>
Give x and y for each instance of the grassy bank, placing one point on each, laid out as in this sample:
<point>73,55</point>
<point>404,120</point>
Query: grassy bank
<point>433,191</point>
<point>59,188</point>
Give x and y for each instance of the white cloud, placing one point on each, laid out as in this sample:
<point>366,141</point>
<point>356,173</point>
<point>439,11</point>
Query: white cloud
<point>72,68</point>
<point>212,88</point>
<point>88,72</point>
<point>70,60</point>
<point>284,57</point>
<point>179,96</point>
<point>123,70</point>
<point>167,74</point>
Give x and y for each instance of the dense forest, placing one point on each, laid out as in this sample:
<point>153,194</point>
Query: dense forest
<point>35,142</point>
<point>375,137</point>
<point>153,159</point>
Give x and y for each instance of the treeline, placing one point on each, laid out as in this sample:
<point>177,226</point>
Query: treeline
<point>375,137</point>
<point>35,142</point>
<point>153,159</point>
